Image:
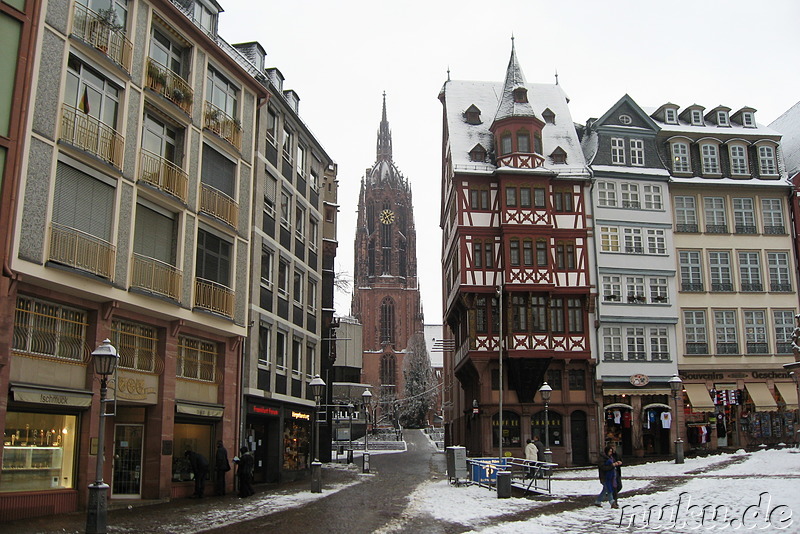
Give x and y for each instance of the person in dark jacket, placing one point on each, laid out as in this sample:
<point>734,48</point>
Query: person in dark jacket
<point>200,469</point>
<point>607,470</point>
<point>244,471</point>
<point>222,466</point>
<point>618,463</point>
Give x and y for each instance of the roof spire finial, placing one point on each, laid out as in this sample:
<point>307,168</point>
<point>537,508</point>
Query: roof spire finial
<point>384,135</point>
<point>556,76</point>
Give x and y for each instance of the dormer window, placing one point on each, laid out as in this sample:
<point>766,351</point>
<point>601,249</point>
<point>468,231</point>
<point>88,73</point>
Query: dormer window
<point>559,156</point>
<point>548,116</point>
<point>205,17</point>
<point>520,95</point>
<point>523,142</point>
<point>478,153</point>
<point>697,117</point>
<point>722,118</point>
<point>748,120</point>
<point>671,116</point>
<point>473,115</point>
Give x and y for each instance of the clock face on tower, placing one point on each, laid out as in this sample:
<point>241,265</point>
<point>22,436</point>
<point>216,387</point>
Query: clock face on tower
<point>387,216</point>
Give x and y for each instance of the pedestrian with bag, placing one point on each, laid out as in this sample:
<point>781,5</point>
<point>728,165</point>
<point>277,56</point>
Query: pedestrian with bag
<point>222,466</point>
<point>199,466</point>
<point>245,464</point>
<point>607,471</point>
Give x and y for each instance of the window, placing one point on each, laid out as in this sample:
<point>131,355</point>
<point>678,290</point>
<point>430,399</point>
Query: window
<point>49,329</point>
<point>634,339</point>
<point>697,117</point>
<point>288,144</point>
<point>505,144</point>
<point>772,213</point>
<point>313,234</point>
<point>539,313</point>
<point>301,160</point>
<point>755,331</point>
<point>634,289</point>
<point>694,329</point>
<point>738,160</point>
<point>286,203</point>
<point>280,351</point>
<point>527,253</point>
<point>388,369</point>
<point>297,287</point>
<point>658,290</point>
<point>482,314</point>
<point>554,379</point>
<point>523,142</point>
<point>630,195</point>
<point>565,255</point>
<point>511,197</point>
<point>691,273</point>
<point>299,222</point>
<point>685,214</point>
<point>656,242</point>
<point>625,119</point>
<point>710,159</point>
<point>750,271</point>
<point>513,252</point>
<point>671,116</point>
<point>270,192</point>
<point>722,118</point>
<point>612,343</point>
<point>218,172</point>
<point>221,93</point>
<point>197,359</point>
<point>719,268</point>
<point>611,288</point>
<point>680,158</point>
<point>155,234</point>
<point>160,139</point>
<point>272,127</point>
<point>205,17</point>
<point>748,121</point>
<point>637,152</point>
<point>264,342</point>
<point>479,199</point>
<point>387,321</point>
<point>297,357</point>
<point>519,317</point>
<point>562,201</point>
<point>744,216</point>
<point>633,240</point>
<point>541,253</point>
<point>617,151</point>
<point>714,208</point>
<point>609,239</point>
<point>557,315</point>
<point>779,277</point>
<point>575,315</point>
<point>607,194</point>
<point>488,254</point>
<point>577,380</point>
<point>524,197</point>
<point>477,254</point>
<point>766,160</point>
<point>311,298</point>
<point>539,198</point>
<point>283,279</point>
<point>783,321</point>
<point>167,53</point>
<point>213,258</point>
<point>652,197</point>
<point>92,94</point>
<point>659,344</point>
<point>311,360</point>
<point>725,332</point>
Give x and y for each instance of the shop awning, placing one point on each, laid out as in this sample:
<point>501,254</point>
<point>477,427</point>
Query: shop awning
<point>699,397</point>
<point>52,397</point>
<point>761,396</point>
<point>203,410</point>
<point>789,393</point>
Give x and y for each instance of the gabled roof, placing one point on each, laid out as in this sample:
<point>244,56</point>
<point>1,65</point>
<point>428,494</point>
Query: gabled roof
<point>627,100</point>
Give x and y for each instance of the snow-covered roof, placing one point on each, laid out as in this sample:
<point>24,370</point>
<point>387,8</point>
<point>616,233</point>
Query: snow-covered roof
<point>631,170</point>
<point>459,95</point>
<point>710,182</point>
<point>788,125</point>
<point>711,129</point>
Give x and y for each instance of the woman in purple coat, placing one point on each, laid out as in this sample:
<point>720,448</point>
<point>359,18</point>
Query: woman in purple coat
<point>607,470</point>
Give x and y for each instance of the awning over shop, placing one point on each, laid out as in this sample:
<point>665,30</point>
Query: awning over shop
<point>789,393</point>
<point>52,397</point>
<point>203,410</point>
<point>761,396</point>
<point>699,397</point>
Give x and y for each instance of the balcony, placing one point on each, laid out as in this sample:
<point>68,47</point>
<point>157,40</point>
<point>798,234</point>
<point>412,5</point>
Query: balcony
<point>219,205</point>
<point>156,276</point>
<point>223,125</point>
<point>716,229</point>
<point>214,297</point>
<point>169,85</point>
<point>101,30</point>
<point>774,230</point>
<point>163,175</point>
<point>746,229</point>
<point>90,134</point>
<point>686,228</point>
<point>80,250</point>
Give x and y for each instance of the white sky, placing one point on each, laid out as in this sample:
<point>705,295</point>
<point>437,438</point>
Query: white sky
<point>341,56</point>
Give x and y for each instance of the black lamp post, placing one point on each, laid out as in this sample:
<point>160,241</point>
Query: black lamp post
<point>317,386</point>
<point>676,385</point>
<point>105,359</point>
<point>366,397</point>
<point>546,391</point>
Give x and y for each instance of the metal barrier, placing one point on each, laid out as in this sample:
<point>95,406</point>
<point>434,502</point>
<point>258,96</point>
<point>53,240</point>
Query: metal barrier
<point>528,475</point>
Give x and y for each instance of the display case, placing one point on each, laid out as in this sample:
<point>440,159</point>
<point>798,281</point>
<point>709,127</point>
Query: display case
<point>32,467</point>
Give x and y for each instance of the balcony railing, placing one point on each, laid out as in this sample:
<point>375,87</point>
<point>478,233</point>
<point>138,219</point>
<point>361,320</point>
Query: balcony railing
<point>746,229</point>
<point>164,175</point>
<point>169,85</point>
<point>688,228</point>
<point>223,125</point>
<point>80,250</point>
<point>103,34</point>
<point>156,276</point>
<point>716,229</point>
<point>696,348</point>
<point>690,286</point>
<point>727,347</point>
<point>91,135</point>
<point>219,205</point>
<point>214,297</point>
<point>774,230</point>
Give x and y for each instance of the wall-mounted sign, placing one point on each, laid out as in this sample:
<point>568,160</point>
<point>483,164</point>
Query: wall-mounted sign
<point>264,410</point>
<point>301,415</point>
<point>640,380</point>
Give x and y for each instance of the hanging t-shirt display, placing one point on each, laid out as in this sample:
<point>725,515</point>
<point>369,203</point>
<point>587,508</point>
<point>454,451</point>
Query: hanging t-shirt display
<point>666,419</point>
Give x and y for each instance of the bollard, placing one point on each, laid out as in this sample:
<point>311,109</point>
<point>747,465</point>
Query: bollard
<point>365,459</point>
<point>349,456</point>
<point>503,484</point>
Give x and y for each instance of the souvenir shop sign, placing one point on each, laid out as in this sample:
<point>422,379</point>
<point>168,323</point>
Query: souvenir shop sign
<point>758,375</point>
<point>640,380</point>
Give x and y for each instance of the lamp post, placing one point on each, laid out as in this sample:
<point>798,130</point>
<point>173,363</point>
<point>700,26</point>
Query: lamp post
<point>676,385</point>
<point>105,359</point>
<point>367,398</point>
<point>499,295</point>
<point>546,391</point>
<point>317,386</point>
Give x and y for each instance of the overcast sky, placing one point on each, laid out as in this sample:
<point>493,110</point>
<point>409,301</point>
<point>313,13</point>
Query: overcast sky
<point>340,56</point>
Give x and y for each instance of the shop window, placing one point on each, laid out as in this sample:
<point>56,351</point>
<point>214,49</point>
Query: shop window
<point>296,433</point>
<point>554,426</point>
<point>189,437</point>
<point>511,430</point>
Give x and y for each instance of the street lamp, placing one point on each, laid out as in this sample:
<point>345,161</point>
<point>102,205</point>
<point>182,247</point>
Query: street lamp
<point>105,360</point>
<point>546,391</point>
<point>366,397</point>
<point>676,385</point>
<point>317,386</point>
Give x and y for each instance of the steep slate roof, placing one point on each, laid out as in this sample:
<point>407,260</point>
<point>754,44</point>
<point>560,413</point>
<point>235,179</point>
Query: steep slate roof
<point>515,79</point>
<point>459,95</point>
<point>788,125</point>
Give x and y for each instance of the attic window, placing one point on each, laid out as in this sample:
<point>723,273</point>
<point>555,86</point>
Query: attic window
<point>671,116</point>
<point>625,119</point>
<point>478,153</point>
<point>473,115</point>
<point>520,95</point>
<point>558,155</point>
<point>697,117</point>
<point>722,118</point>
<point>748,121</point>
<point>549,116</point>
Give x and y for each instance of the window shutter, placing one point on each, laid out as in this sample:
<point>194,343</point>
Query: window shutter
<point>83,203</point>
<point>154,235</point>
<point>218,171</point>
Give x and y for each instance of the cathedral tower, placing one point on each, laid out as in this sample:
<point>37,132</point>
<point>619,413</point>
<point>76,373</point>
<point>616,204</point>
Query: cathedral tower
<point>386,298</point>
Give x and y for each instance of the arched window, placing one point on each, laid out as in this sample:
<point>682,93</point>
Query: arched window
<point>371,258</point>
<point>556,432</point>
<point>387,320</point>
<point>512,436</point>
<point>388,370</point>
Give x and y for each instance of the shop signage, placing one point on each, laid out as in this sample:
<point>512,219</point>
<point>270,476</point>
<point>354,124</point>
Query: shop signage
<point>301,415</point>
<point>640,380</point>
<point>263,410</point>
<point>759,375</point>
<point>137,388</point>
<point>196,409</point>
<point>53,398</point>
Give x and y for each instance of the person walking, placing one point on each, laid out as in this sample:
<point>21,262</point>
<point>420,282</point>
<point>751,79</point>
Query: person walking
<point>199,466</point>
<point>530,455</point>
<point>245,464</point>
<point>222,466</point>
<point>539,448</point>
<point>608,477</point>
<point>618,463</point>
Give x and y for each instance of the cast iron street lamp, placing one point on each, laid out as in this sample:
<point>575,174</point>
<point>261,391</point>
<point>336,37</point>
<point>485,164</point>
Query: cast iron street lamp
<point>105,359</point>
<point>317,386</point>
<point>366,397</point>
<point>676,385</point>
<point>546,390</point>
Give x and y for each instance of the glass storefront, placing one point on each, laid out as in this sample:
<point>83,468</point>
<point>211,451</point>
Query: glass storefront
<point>38,451</point>
<point>296,441</point>
<point>194,437</point>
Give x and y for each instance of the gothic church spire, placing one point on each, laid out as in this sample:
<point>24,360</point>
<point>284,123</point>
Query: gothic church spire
<point>384,136</point>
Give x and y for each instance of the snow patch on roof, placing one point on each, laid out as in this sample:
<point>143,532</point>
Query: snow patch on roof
<point>788,125</point>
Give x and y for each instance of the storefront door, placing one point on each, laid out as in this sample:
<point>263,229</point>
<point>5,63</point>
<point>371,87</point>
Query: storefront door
<point>579,432</point>
<point>127,481</point>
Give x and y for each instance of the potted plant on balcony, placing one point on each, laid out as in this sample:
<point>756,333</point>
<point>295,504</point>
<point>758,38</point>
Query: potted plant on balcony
<point>156,76</point>
<point>213,118</point>
<point>107,23</point>
<point>181,97</point>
